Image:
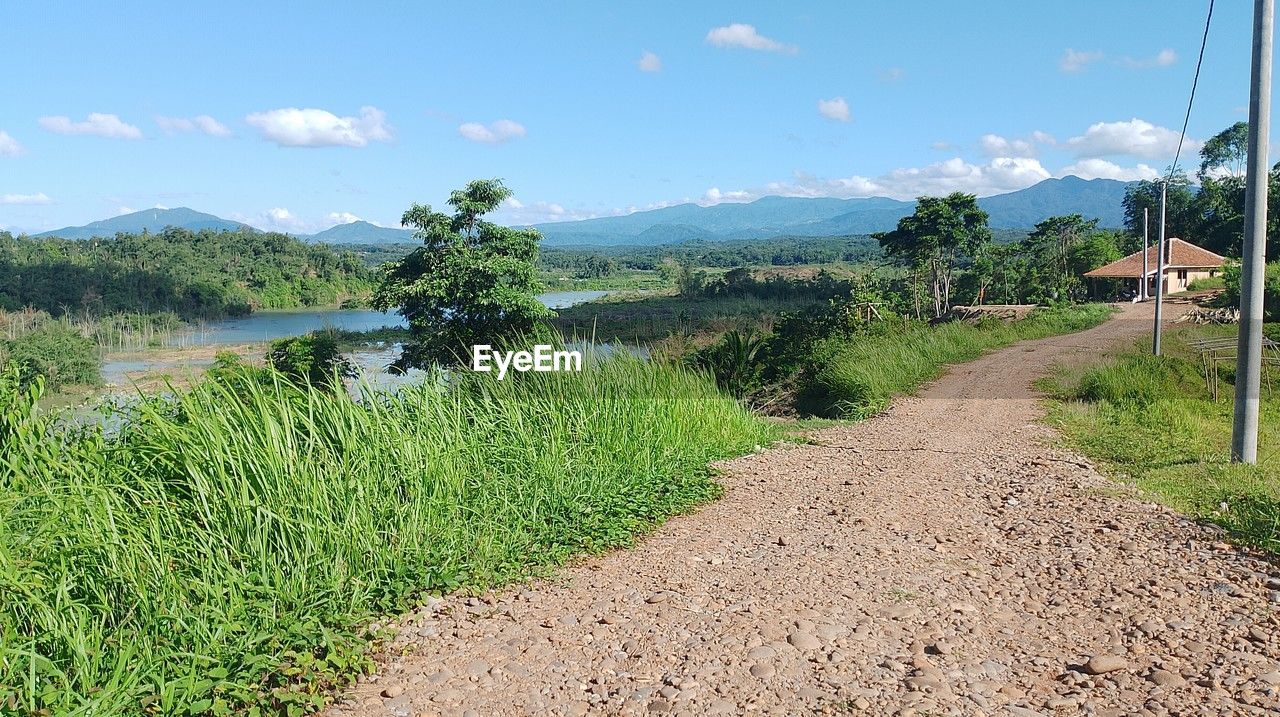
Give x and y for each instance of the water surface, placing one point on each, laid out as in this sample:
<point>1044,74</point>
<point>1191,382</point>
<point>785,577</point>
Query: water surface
<point>266,326</point>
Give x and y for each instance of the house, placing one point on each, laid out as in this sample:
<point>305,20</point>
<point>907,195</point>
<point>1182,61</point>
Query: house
<point>1184,263</point>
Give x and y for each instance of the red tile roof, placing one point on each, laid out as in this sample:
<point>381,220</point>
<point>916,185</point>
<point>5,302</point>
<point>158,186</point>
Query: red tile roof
<point>1182,255</point>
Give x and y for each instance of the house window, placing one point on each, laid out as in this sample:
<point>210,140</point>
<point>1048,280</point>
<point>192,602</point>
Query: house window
<point>1182,274</point>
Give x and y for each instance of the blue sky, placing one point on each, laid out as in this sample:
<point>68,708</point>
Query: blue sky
<point>299,116</point>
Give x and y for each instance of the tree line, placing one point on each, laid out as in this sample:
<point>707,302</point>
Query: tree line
<point>195,274</point>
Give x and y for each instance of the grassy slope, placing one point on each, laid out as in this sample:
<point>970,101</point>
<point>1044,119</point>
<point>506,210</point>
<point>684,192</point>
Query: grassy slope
<point>223,550</point>
<point>1152,421</point>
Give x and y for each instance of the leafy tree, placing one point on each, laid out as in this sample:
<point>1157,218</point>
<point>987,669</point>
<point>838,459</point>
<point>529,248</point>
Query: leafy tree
<point>1180,214</point>
<point>597,267</point>
<point>689,281</point>
<point>312,359</point>
<point>1227,150</point>
<point>1051,246</point>
<point>1219,214</point>
<point>470,282</point>
<point>943,232</point>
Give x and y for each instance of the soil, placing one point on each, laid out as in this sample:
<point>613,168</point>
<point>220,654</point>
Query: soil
<point>945,558</point>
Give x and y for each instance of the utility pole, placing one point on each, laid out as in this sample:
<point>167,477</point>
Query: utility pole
<point>1244,420</point>
<point>1146,270</point>
<point>1155,336</point>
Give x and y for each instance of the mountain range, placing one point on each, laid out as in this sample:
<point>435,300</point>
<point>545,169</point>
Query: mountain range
<point>1100,199</point>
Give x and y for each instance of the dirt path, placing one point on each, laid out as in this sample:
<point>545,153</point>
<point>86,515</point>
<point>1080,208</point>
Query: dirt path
<point>940,559</point>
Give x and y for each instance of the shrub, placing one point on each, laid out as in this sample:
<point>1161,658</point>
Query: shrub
<point>314,358</point>
<point>55,351</point>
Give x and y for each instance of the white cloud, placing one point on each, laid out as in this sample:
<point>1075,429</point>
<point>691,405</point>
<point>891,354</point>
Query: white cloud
<point>97,124</point>
<point>10,147</point>
<point>122,210</point>
<point>1002,174</point>
<point>276,219</point>
<point>649,62</point>
<point>342,217</point>
<point>518,213</point>
<point>1164,58</point>
<point>715,196</point>
<point>835,109</point>
<point>1043,138</point>
<point>504,130</point>
<point>201,123</point>
<point>745,36</point>
<point>993,145</point>
<point>891,74</point>
<point>38,198</point>
<point>942,146</point>
<point>1102,169</point>
<point>1136,138</point>
<point>1076,60</point>
<point>293,127</point>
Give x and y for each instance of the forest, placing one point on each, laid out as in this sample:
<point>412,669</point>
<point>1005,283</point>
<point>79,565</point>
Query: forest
<point>194,274</point>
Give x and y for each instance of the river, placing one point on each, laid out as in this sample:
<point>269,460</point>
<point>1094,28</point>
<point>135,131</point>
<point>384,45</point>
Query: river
<point>264,326</point>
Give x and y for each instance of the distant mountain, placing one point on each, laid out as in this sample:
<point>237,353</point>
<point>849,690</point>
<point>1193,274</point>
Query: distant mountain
<point>152,220</point>
<point>1101,199</point>
<point>766,217</point>
<point>361,232</point>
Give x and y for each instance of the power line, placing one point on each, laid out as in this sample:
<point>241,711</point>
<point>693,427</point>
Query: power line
<point>1190,101</point>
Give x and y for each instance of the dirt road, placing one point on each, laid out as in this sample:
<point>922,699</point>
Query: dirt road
<point>943,558</point>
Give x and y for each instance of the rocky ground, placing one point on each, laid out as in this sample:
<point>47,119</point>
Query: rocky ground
<point>941,559</point>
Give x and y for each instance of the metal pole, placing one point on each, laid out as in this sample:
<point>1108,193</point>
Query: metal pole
<point>1146,270</point>
<point>1155,336</point>
<point>1244,422</point>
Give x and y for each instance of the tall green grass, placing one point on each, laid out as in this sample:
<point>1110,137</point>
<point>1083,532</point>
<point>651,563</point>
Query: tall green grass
<point>858,376</point>
<point>221,550</point>
<point>1152,420</point>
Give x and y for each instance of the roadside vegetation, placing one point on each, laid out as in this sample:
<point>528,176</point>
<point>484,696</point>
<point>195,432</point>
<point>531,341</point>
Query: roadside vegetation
<point>223,548</point>
<point>1153,421</point>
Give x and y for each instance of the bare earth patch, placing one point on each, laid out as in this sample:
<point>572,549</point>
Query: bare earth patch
<point>943,558</point>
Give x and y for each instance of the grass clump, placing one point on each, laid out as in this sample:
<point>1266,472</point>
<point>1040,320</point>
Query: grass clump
<point>853,377</point>
<point>1152,420</point>
<point>220,549</point>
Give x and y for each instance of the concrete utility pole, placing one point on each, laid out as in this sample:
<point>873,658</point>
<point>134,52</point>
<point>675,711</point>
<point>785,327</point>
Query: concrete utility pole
<point>1155,336</point>
<point>1244,423</point>
<point>1146,270</point>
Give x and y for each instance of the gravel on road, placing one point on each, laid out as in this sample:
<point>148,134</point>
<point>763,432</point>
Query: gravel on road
<point>945,558</point>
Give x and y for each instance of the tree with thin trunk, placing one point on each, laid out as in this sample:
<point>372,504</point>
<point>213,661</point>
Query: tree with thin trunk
<point>942,233</point>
